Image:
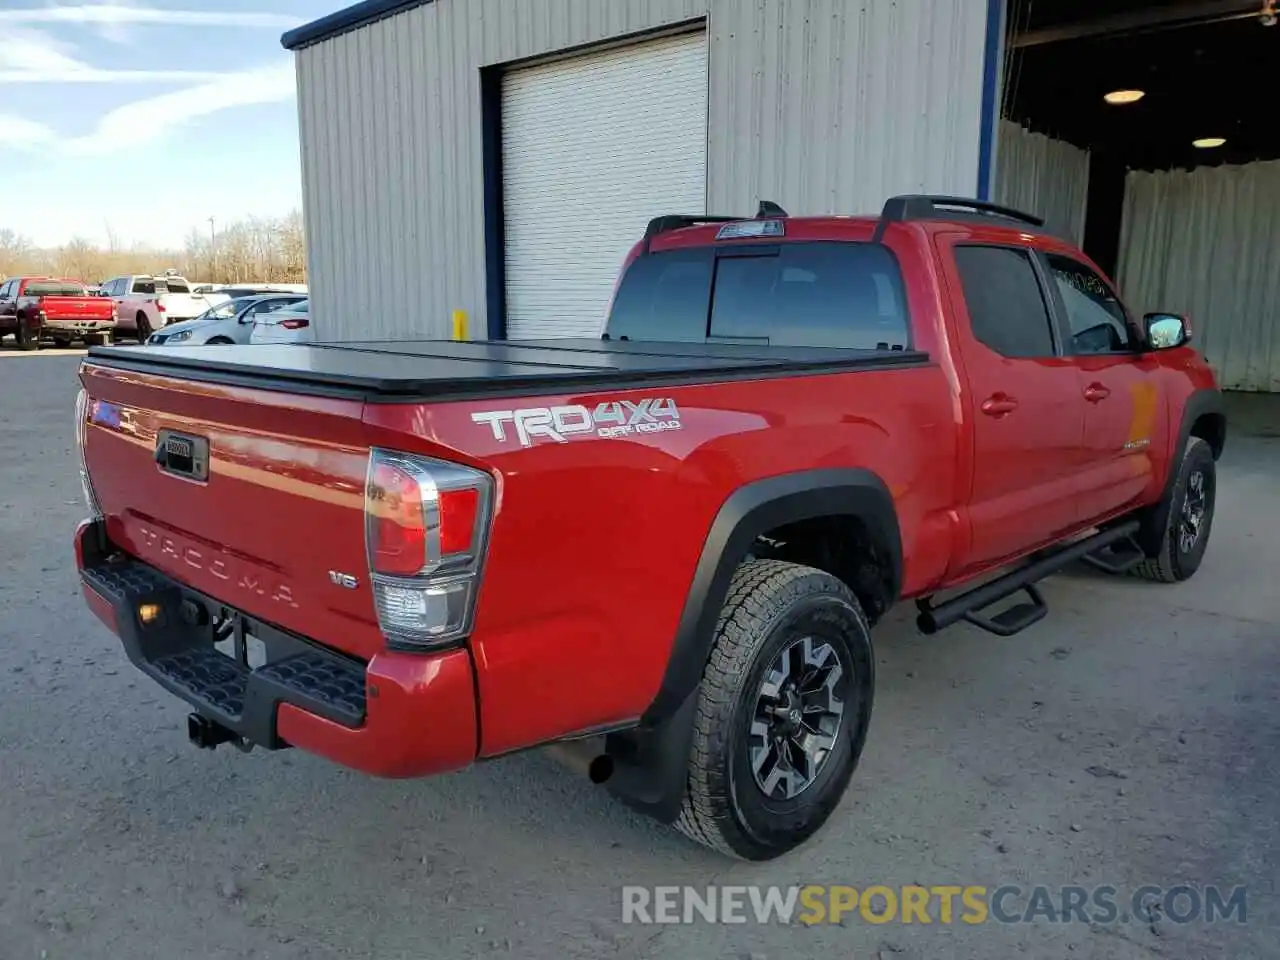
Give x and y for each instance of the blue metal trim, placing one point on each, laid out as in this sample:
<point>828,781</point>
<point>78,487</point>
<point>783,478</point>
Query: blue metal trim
<point>346,20</point>
<point>990,97</point>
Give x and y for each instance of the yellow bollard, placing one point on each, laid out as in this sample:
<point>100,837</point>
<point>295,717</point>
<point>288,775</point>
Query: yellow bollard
<point>460,325</point>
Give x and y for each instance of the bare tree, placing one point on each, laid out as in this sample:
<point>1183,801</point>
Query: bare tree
<point>254,249</point>
<point>15,250</point>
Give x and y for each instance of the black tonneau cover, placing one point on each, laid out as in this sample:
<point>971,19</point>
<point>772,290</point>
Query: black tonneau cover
<point>445,369</point>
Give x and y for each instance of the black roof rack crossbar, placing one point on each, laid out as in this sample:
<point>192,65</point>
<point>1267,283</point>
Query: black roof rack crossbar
<point>676,221</point>
<point>926,207</point>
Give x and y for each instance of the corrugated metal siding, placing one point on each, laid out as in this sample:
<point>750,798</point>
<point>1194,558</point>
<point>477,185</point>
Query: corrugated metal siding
<point>829,106</point>
<point>822,105</point>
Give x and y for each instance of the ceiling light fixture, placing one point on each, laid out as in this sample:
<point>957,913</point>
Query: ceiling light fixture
<point>1206,143</point>
<point>1124,96</point>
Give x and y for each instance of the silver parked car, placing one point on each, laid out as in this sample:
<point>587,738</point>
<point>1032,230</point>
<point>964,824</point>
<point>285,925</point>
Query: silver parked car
<point>228,322</point>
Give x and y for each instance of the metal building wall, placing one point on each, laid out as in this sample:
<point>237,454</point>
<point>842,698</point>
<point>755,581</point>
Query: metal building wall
<point>822,105</point>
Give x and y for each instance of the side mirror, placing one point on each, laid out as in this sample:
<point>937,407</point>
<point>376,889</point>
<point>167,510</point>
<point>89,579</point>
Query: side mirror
<point>1166,330</point>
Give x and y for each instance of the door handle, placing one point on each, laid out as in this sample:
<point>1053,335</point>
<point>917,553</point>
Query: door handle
<point>1095,392</point>
<point>997,405</point>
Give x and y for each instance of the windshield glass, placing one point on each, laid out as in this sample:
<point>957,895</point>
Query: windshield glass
<point>225,310</point>
<point>54,288</point>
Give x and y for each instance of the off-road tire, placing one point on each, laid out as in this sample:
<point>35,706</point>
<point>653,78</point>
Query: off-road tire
<point>25,338</point>
<point>1171,564</point>
<point>769,604</point>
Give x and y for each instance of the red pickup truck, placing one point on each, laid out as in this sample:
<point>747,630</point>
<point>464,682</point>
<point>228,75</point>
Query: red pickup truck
<point>36,307</point>
<point>664,549</point>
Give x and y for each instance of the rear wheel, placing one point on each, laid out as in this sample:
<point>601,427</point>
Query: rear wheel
<point>1186,535</point>
<point>783,711</point>
<point>62,343</point>
<point>144,327</point>
<point>26,337</point>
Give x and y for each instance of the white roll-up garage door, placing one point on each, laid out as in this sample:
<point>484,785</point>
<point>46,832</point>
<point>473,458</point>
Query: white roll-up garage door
<point>592,148</point>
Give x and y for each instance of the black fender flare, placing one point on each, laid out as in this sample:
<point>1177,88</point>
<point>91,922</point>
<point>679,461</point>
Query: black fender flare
<point>652,757</point>
<point>749,512</point>
<point>1207,402</point>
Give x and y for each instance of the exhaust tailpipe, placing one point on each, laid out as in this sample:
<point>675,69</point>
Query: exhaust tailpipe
<point>586,758</point>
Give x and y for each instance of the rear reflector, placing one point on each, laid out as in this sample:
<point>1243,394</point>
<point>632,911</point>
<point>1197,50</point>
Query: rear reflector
<point>426,523</point>
<point>398,538</point>
<point>458,512</point>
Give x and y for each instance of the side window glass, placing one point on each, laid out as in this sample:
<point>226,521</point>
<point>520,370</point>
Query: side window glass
<point>1007,309</point>
<point>1096,318</point>
<point>144,286</point>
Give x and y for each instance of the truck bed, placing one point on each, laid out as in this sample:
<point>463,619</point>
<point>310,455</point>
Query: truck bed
<point>410,370</point>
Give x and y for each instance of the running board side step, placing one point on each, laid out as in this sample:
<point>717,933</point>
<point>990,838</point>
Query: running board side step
<point>1119,557</point>
<point>968,605</point>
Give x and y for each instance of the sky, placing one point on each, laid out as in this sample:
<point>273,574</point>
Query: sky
<point>143,118</point>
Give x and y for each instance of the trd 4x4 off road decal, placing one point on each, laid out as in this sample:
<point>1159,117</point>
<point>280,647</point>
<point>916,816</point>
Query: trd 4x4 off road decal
<point>621,418</point>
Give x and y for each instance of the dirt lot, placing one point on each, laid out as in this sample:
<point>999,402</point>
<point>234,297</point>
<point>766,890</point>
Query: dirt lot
<point>1130,739</point>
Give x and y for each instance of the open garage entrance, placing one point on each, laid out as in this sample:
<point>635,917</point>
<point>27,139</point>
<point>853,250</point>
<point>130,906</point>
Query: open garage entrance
<point>1149,137</point>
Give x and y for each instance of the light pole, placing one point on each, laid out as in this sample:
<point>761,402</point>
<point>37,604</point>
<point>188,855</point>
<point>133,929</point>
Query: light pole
<point>213,250</point>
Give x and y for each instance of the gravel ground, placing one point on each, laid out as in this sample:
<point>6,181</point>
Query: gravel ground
<point>1128,739</point>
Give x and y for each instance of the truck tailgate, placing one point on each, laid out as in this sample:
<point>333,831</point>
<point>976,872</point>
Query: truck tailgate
<point>77,308</point>
<point>183,306</point>
<point>273,525</point>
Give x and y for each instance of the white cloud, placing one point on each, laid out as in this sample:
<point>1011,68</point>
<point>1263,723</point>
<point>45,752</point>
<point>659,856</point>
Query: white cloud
<point>20,130</point>
<point>116,14</point>
<point>151,119</point>
<point>33,56</point>
<point>96,75</point>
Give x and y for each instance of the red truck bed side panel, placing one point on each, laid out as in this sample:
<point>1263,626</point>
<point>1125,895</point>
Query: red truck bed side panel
<point>595,540</point>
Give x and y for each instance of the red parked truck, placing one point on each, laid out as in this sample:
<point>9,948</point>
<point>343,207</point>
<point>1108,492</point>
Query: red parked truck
<point>667,546</point>
<point>36,307</point>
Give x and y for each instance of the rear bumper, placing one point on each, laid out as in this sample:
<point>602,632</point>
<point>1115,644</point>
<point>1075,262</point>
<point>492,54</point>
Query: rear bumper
<point>79,324</point>
<point>399,715</point>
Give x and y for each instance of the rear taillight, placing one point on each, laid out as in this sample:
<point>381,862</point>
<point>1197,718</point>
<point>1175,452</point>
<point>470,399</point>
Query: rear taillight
<point>160,306</point>
<point>293,324</point>
<point>86,487</point>
<point>426,525</point>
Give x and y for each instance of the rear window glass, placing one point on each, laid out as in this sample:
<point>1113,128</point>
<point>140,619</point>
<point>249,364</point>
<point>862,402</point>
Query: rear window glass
<point>813,295</point>
<point>54,288</point>
<point>822,294</point>
<point>664,296</point>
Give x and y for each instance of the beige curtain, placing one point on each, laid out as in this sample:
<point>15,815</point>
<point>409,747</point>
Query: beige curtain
<point>1044,176</point>
<point>1206,243</point>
